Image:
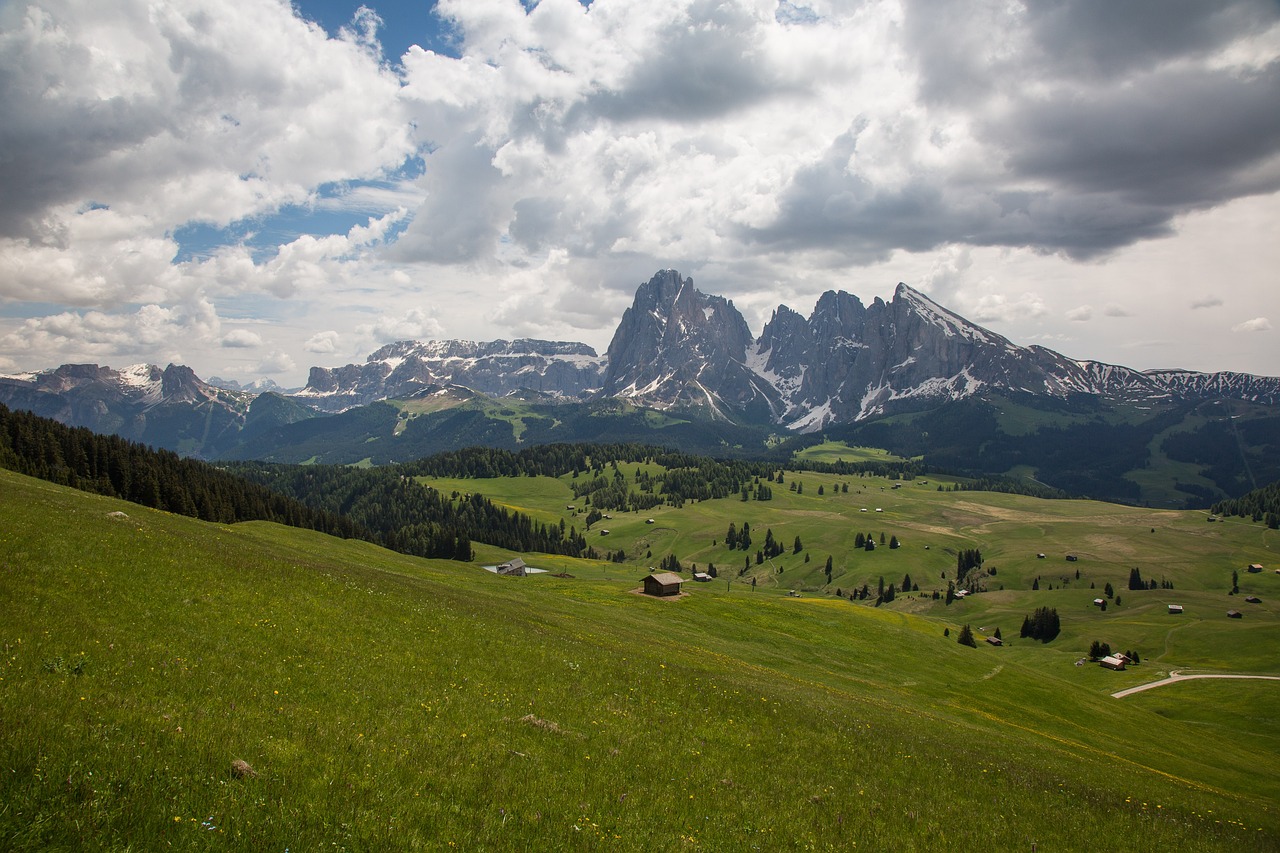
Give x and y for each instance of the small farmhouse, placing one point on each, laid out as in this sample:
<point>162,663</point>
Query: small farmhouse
<point>1234,614</point>
<point>1116,662</point>
<point>1098,602</point>
<point>662,584</point>
<point>702,577</point>
<point>1071,558</point>
<point>1253,599</point>
<point>995,641</point>
<point>1175,608</point>
<point>1254,568</point>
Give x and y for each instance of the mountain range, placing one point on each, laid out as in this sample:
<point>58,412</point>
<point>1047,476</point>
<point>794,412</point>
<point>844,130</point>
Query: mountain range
<point>683,363</point>
<point>677,348</point>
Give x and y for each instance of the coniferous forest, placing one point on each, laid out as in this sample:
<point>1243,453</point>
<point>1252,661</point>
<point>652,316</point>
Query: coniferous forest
<point>109,465</point>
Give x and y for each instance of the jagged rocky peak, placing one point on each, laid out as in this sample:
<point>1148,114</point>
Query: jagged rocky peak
<point>670,311</point>
<point>677,346</point>
<point>180,383</point>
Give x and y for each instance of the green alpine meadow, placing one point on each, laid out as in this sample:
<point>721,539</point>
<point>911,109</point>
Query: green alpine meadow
<point>171,683</point>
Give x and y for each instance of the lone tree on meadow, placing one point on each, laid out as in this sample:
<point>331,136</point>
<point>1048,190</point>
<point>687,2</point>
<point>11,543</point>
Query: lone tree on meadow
<point>966,637</point>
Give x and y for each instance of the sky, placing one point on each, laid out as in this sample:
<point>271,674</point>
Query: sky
<point>253,187</point>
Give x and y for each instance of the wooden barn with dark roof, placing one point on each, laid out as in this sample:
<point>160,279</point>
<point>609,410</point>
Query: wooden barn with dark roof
<point>662,584</point>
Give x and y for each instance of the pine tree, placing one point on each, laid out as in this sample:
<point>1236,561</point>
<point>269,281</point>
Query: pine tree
<point>966,637</point>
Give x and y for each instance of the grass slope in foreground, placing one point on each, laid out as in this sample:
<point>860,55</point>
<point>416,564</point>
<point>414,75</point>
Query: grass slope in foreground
<point>386,702</point>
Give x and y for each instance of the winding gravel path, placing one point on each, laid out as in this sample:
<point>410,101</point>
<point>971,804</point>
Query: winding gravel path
<point>1178,676</point>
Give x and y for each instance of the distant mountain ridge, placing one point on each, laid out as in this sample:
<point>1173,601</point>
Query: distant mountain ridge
<point>497,368</point>
<point>683,369</point>
<point>677,348</point>
<point>170,408</point>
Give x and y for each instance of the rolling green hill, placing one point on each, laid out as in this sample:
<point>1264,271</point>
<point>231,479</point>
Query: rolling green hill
<point>388,702</point>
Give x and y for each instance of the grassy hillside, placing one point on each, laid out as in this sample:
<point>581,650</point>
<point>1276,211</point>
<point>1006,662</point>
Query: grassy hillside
<point>386,702</point>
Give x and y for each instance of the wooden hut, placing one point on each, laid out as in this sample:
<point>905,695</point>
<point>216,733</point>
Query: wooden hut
<point>514,567</point>
<point>662,584</point>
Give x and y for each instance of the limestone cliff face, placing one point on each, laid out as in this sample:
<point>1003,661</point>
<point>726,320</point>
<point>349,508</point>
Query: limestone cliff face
<point>497,368</point>
<point>679,347</point>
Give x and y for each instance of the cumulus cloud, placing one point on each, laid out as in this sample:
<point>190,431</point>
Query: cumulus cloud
<point>190,112</point>
<point>1257,324</point>
<point>241,339</point>
<point>1001,308</point>
<point>96,334</point>
<point>1207,302</point>
<point>323,342</point>
<point>412,325</point>
<point>1082,314</point>
<point>1114,310</point>
<point>276,362</point>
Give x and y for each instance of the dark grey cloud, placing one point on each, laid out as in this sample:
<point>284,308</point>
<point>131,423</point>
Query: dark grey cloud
<point>701,68</point>
<point>1101,124</point>
<point>968,50</point>
<point>826,206</point>
<point>1181,138</point>
<point>1102,40</point>
<point>53,143</point>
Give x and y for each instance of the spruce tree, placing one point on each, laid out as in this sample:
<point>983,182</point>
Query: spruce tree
<point>966,637</point>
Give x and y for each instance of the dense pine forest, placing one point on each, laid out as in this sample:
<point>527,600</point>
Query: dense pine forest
<point>109,465</point>
<point>1259,504</point>
<point>409,517</point>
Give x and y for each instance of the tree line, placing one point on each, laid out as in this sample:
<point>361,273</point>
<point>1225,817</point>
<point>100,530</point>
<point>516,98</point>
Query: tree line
<point>1260,504</point>
<point>160,479</point>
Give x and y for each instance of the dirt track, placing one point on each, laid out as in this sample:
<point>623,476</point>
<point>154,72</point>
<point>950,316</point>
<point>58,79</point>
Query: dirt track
<point>1177,676</point>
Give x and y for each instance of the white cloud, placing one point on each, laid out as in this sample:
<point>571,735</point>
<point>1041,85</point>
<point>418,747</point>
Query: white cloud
<point>1207,302</point>
<point>94,334</point>
<point>1082,314</point>
<point>1114,310</point>
<point>998,307</point>
<point>241,339</point>
<point>276,362</point>
<point>323,342</point>
<point>413,325</point>
<point>1257,324</point>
